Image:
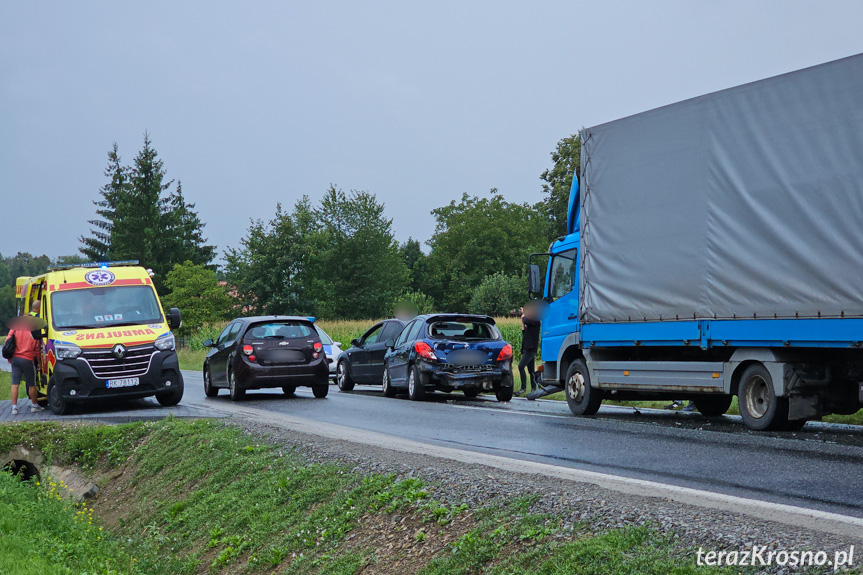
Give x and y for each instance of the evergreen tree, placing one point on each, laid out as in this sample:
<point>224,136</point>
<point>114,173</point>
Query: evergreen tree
<point>97,247</point>
<point>141,219</point>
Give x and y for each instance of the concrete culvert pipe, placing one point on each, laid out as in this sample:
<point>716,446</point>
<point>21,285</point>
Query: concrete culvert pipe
<point>23,469</point>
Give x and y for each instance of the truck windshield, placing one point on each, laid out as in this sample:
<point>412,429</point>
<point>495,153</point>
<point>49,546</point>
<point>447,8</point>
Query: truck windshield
<point>463,330</point>
<point>105,307</point>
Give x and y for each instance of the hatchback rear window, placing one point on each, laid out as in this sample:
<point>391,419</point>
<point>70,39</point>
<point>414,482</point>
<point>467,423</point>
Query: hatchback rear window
<point>280,330</point>
<point>464,330</point>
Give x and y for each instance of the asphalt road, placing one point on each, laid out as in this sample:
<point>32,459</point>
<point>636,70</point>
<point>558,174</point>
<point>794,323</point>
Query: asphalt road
<point>818,468</point>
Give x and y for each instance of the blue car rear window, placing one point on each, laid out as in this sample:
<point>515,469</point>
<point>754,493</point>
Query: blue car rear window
<point>463,330</point>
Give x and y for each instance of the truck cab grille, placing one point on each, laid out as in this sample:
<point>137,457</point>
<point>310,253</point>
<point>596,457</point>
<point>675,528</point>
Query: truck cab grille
<point>104,365</point>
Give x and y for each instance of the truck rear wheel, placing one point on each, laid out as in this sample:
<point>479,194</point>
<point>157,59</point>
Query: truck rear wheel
<point>760,407</point>
<point>580,396</point>
<point>713,405</point>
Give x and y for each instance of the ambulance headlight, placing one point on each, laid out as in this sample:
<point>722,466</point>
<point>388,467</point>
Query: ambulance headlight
<point>165,342</point>
<point>66,350</point>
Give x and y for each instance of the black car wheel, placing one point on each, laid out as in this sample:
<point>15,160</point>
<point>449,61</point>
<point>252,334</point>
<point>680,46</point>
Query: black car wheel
<point>504,392</point>
<point>289,390</point>
<point>173,397</point>
<point>416,389</point>
<point>237,392</point>
<point>386,385</point>
<point>209,389</point>
<point>343,377</point>
<point>321,390</point>
<point>58,405</point>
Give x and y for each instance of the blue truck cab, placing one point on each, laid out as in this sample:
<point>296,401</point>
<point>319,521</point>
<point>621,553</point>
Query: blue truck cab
<point>713,250</point>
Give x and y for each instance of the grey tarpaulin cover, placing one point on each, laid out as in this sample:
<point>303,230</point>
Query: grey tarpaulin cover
<point>742,203</point>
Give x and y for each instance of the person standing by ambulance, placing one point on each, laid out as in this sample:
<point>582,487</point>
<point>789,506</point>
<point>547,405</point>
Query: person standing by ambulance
<point>23,363</point>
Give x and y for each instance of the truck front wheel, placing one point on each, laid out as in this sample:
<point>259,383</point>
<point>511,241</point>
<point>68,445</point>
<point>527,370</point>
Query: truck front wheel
<point>580,396</point>
<point>760,407</point>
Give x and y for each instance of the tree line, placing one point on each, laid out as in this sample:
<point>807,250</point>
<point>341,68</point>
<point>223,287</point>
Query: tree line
<point>336,258</point>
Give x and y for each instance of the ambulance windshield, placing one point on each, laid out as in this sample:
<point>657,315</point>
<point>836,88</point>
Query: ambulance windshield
<point>105,307</point>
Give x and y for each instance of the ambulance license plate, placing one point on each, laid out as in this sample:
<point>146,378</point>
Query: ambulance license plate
<point>128,382</point>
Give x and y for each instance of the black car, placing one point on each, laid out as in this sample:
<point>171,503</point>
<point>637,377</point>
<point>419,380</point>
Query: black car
<point>449,352</point>
<point>363,362</point>
<point>266,351</point>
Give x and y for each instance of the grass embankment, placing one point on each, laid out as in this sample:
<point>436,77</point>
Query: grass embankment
<point>196,497</point>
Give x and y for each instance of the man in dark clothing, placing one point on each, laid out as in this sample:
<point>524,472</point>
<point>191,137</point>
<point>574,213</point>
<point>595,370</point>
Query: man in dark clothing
<point>529,345</point>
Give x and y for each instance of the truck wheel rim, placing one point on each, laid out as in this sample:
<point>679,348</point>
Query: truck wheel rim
<point>757,397</point>
<point>575,389</point>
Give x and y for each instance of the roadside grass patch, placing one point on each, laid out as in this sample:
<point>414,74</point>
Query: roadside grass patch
<point>6,386</point>
<point>195,497</point>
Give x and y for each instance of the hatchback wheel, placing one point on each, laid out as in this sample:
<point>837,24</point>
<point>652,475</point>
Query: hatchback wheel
<point>321,390</point>
<point>416,389</point>
<point>237,392</point>
<point>289,390</point>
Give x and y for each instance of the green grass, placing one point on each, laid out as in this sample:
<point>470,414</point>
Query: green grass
<point>6,386</point>
<point>203,497</point>
<point>192,360</point>
<point>42,533</point>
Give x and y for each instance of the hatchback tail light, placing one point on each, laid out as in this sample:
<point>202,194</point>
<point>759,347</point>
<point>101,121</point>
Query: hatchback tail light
<point>505,353</point>
<point>248,350</point>
<point>424,351</point>
<point>318,346</point>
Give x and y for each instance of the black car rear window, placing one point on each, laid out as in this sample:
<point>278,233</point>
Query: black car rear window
<point>280,330</point>
<point>463,330</point>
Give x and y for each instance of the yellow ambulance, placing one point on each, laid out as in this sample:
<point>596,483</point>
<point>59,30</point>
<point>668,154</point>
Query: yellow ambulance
<point>107,335</point>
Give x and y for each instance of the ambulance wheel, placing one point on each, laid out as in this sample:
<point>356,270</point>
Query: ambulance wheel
<point>56,402</point>
<point>173,397</point>
<point>580,396</point>
<point>760,408</point>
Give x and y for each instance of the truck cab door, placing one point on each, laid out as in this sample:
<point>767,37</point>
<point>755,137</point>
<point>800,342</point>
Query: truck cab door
<point>561,316</point>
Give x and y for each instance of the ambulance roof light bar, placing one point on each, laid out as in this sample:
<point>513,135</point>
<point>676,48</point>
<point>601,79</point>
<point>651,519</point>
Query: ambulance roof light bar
<point>102,265</point>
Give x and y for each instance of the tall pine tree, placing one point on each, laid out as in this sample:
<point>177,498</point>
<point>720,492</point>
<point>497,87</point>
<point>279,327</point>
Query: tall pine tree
<point>142,219</point>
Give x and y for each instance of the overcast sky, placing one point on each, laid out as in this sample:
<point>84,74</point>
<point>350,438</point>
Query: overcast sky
<point>250,104</point>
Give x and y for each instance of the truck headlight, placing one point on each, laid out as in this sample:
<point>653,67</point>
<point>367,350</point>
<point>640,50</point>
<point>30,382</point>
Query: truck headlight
<point>165,342</point>
<point>66,350</point>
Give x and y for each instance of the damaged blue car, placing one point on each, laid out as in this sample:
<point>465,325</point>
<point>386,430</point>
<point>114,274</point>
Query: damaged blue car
<point>449,352</point>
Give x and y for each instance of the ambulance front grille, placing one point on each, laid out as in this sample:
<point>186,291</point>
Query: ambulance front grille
<point>104,365</point>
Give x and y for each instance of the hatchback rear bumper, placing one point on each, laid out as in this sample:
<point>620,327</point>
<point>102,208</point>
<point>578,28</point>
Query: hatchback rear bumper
<point>254,376</point>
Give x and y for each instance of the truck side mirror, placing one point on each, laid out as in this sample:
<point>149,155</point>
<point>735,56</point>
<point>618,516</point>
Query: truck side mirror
<point>534,280</point>
<point>174,319</point>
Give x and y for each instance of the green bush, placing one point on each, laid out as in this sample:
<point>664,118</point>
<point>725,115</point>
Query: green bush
<point>498,295</point>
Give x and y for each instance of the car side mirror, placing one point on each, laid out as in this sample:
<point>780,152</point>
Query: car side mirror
<point>175,321</point>
<point>534,280</point>
<point>355,342</point>
<point>390,343</point>
<point>208,343</point>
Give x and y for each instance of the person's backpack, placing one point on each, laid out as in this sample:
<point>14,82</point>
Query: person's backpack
<point>9,347</point>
